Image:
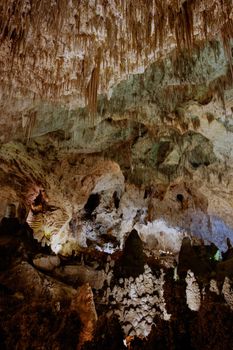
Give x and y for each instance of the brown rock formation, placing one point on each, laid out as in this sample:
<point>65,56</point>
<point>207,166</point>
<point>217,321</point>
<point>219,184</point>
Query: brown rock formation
<point>83,303</point>
<point>116,117</point>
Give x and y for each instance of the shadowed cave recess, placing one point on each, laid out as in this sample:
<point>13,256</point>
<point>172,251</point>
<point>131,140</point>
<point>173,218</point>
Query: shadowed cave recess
<point>116,176</point>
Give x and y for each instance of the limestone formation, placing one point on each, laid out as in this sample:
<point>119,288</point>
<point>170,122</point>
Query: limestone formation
<point>193,295</point>
<point>116,153</point>
<point>82,274</point>
<point>83,303</point>
<point>47,263</point>
<point>137,301</point>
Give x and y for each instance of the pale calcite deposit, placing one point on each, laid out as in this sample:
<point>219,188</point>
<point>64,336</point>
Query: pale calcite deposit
<point>227,292</point>
<point>193,295</point>
<point>120,113</point>
<point>137,301</point>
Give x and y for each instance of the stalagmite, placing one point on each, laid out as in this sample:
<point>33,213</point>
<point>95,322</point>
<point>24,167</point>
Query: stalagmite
<point>116,166</point>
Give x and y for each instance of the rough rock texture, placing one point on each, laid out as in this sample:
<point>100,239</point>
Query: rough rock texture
<point>84,305</point>
<point>47,263</point>
<point>62,51</point>
<point>81,274</point>
<point>116,155</point>
<point>193,295</point>
<point>43,312</point>
<point>137,301</point>
<point>166,131</point>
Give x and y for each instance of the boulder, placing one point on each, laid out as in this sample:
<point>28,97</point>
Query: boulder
<point>46,263</point>
<point>82,274</point>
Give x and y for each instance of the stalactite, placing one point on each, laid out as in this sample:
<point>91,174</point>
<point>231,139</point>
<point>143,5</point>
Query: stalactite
<point>92,87</point>
<point>227,35</point>
<point>138,30</point>
<point>30,123</point>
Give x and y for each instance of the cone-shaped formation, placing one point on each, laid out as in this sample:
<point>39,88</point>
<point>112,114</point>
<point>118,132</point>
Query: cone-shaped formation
<point>81,45</point>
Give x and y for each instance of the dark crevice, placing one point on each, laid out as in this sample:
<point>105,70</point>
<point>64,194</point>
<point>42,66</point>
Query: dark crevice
<point>180,197</point>
<point>92,203</point>
<point>116,200</point>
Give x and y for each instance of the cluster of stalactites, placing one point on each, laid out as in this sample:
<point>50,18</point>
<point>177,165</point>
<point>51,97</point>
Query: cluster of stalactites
<point>98,36</point>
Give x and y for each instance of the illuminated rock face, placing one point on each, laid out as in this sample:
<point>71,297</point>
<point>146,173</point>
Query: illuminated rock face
<point>141,197</point>
<point>137,301</point>
<point>116,117</point>
<point>193,295</point>
<point>68,51</point>
<point>159,147</point>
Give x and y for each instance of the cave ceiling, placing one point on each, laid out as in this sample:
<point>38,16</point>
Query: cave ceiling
<point>113,96</point>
